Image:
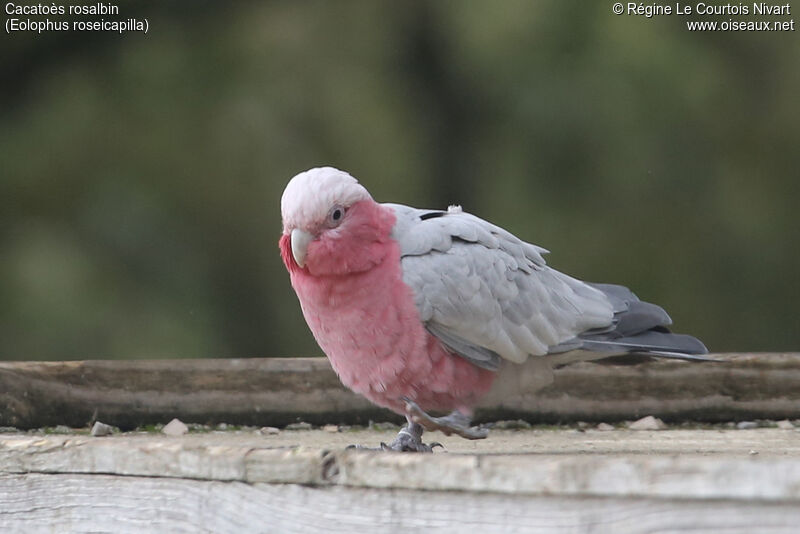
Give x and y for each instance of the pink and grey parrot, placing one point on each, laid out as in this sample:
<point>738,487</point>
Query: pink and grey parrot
<point>417,309</point>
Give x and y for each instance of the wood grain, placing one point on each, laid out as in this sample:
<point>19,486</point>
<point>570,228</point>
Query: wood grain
<point>236,483</point>
<point>119,505</point>
<point>634,471</point>
<point>276,392</point>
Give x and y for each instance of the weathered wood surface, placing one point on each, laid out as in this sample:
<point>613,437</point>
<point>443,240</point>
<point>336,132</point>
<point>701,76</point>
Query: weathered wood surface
<point>240,483</point>
<point>61,504</point>
<point>280,391</point>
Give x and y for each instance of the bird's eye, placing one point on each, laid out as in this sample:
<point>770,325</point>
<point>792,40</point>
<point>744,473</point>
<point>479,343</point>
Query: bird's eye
<point>335,216</point>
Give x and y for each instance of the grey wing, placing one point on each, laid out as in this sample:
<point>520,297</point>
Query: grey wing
<point>488,295</point>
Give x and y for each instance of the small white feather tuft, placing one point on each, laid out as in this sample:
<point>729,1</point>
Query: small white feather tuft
<point>454,209</point>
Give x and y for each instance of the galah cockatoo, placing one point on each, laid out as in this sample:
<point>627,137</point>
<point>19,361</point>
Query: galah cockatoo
<point>417,308</point>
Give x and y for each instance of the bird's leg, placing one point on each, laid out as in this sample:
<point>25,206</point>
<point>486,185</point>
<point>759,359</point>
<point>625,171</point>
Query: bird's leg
<point>455,423</point>
<point>409,439</point>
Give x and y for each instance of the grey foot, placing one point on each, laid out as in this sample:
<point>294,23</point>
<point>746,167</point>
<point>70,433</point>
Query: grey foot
<point>409,439</point>
<point>455,423</point>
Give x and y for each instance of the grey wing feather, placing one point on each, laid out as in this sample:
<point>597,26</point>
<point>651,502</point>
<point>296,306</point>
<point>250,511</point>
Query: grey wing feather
<point>478,286</point>
<point>419,233</point>
<point>480,356</point>
<point>487,295</point>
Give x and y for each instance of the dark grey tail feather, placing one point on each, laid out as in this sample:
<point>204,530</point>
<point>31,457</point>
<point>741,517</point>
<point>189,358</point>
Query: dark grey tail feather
<point>640,317</point>
<point>649,341</point>
<point>680,356</point>
<point>631,315</point>
<point>639,327</point>
<point>620,296</point>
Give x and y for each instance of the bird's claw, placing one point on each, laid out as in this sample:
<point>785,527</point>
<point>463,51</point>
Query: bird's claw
<point>409,439</point>
<point>455,423</point>
<point>415,446</point>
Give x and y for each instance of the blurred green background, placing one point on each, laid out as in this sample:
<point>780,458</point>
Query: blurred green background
<point>141,174</point>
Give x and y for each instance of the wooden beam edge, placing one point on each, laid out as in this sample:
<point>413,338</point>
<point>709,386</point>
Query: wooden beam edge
<point>275,392</point>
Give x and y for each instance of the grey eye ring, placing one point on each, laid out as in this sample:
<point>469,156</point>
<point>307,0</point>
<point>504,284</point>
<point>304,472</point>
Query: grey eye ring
<point>336,215</point>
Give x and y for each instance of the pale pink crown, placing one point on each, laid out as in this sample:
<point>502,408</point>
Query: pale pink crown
<point>310,195</point>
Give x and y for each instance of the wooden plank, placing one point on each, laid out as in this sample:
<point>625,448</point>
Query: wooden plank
<point>160,457</point>
<point>226,483</point>
<point>737,387</point>
<point>103,503</point>
<point>769,475</point>
<point>280,391</point>
<point>127,394</point>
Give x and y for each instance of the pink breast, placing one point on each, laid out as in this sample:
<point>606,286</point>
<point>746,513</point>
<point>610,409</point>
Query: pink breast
<point>369,327</point>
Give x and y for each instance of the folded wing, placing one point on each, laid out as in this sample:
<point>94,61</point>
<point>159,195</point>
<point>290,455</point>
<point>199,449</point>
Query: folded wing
<point>487,295</point>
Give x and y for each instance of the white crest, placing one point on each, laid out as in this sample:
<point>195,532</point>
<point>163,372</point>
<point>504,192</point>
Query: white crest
<point>311,194</point>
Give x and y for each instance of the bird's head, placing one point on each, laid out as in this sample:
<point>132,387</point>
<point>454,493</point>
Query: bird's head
<point>330,223</point>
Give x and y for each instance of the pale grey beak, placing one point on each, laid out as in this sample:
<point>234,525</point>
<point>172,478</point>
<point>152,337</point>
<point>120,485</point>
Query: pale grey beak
<point>300,241</point>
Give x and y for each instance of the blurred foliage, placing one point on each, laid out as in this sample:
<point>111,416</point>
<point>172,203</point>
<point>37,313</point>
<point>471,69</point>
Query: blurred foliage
<point>141,175</point>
